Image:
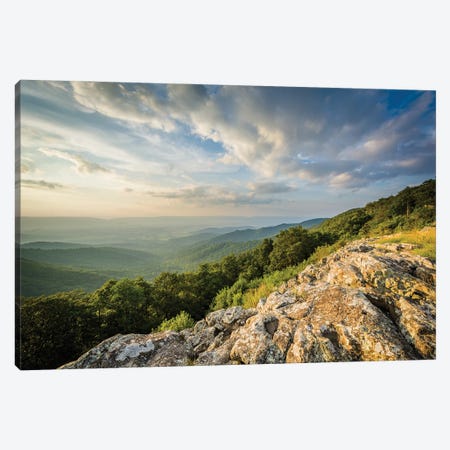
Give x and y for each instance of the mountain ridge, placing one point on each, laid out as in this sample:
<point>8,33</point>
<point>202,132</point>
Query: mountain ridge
<point>251,234</point>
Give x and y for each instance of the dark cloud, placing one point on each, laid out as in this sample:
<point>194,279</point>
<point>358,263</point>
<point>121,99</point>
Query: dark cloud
<point>268,187</point>
<point>84,165</point>
<point>41,184</point>
<point>188,96</point>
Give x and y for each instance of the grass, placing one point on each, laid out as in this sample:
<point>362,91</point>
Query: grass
<point>270,282</point>
<point>425,240</point>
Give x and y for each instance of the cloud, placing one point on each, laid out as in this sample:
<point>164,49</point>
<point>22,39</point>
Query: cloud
<point>269,187</point>
<point>30,135</point>
<point>210,195</point>
<point>188,97</point>
<point>40,184</point>
<point>349,134</point>
<point>345,137</point>
<point>82,165</point>
<point>338,173</point>
<point>26,165</point>
<point>212,136</point>
<point>137,104</point>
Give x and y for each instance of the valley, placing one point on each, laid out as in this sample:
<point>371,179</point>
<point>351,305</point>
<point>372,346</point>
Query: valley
<point>45,266</point>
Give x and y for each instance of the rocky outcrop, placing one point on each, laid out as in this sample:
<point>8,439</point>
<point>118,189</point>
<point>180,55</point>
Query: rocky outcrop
<point>366,302</point>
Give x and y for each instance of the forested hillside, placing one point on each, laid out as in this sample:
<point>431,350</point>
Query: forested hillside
<point>36,278</point>
<point>106,258</point>
<point>412,208</point>
<point>55,329</point>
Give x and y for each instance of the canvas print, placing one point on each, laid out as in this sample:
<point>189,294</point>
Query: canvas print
<point>192,225</point>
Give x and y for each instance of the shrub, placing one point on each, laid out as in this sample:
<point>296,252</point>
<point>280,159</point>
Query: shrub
<point>180,322</point>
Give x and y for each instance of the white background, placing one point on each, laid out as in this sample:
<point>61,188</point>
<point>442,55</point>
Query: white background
<point>383,44</point>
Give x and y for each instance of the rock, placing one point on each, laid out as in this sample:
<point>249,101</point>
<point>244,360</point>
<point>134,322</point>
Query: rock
<point>366,302</point>
<point>137,350</point>
<point>254,342</point>
<point>343,325</point>
<point>229,318</point>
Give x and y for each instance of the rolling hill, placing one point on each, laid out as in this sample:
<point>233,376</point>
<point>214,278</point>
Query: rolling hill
<point>94,258</point>
<point>189,258</point>
<point>45,279</point>
<point>45,245</point>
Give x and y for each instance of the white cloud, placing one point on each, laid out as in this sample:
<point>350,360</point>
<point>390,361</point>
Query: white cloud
<point>115,101</point>
<point>82,165</point>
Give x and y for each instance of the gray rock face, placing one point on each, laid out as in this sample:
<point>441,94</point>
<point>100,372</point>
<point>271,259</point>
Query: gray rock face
<point>366,302</point>
<point>137,350</point>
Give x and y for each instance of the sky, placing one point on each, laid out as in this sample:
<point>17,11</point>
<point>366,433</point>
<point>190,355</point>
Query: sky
<point>93,149</point>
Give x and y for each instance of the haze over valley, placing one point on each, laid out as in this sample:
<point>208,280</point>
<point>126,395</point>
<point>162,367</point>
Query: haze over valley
<point>85,252</point>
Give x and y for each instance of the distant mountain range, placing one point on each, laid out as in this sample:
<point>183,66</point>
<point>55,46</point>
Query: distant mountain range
<point>262,233</point>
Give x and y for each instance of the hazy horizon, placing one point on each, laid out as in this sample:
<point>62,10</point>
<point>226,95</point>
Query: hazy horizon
<point>137,231</point>
<point>162,217</point>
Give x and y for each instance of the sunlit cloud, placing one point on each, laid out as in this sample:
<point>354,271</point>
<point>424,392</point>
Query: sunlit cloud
<point>224,145</point>
<point>130,105</point>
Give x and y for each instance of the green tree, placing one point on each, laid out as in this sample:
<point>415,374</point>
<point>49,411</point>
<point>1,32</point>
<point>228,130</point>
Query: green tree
<point>55,329</point>
<point>230,269</point>
<point>290,247</point>
<point>130,303</point>
<point>258,260</point>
